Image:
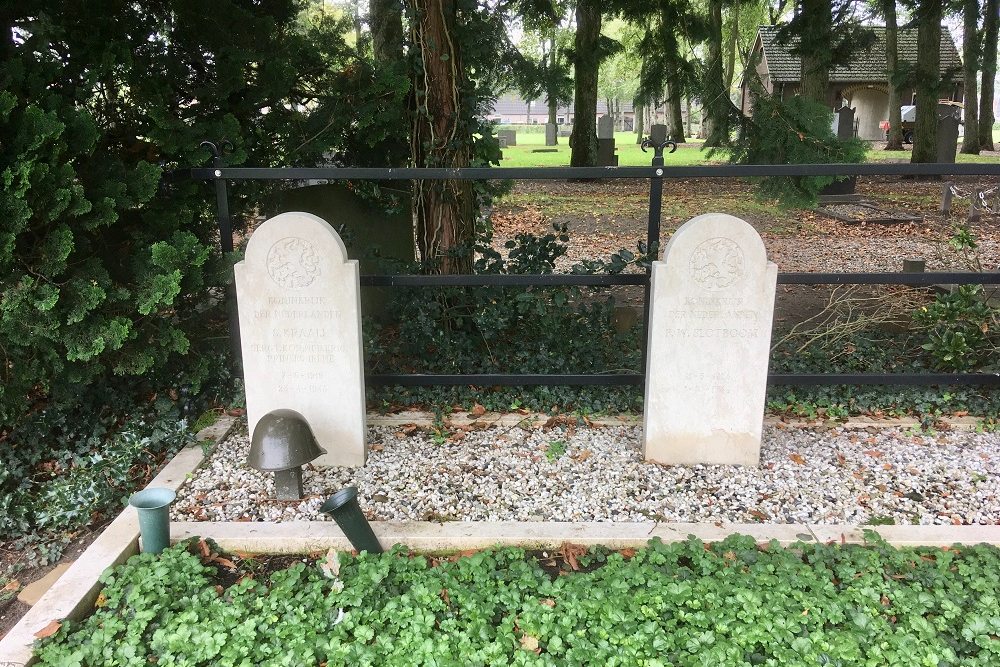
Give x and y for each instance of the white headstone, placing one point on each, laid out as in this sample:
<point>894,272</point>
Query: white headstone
<point>605,127</point>
<point>300,325</point>
<point>712,302</point>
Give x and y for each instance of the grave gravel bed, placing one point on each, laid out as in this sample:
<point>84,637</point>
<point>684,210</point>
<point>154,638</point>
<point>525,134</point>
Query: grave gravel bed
<point>853,476</point>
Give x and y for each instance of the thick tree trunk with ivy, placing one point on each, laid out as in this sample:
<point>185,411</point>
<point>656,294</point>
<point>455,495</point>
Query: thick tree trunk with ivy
<point>816,38</point>
<point>587,61</point>
<point>639,118</point>
<point>715,96</point>
<point>894,141</point>
<point>928,78</point>
<point>443,209</point>
<point>991,24</point>
<point>970,66</point>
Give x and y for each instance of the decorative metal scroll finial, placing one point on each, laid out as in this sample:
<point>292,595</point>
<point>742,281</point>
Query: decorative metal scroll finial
<point>657,148</point>
<point>217,149</point>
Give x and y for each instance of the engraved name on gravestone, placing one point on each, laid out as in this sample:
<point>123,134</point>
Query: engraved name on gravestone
<point>300,325</point>
<point>712,303</point>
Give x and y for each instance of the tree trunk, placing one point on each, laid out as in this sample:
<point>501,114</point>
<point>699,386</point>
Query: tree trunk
<point>587,62</point>
<point>675,114</point>
<point>687,108</point>
<point>991,23</point>
<point>817,34</point>
<point>730,65</point>
<point>443,210</point>
<point>715,98</point>
<point>386,18</point>
<point>639,129</point>
<point>894,141</point>
<point>552,100</point>
<point>928,78</point>
<point>970,62</point>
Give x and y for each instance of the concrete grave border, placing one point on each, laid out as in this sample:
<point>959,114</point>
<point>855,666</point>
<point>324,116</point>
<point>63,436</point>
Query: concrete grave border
<point>73,595</point>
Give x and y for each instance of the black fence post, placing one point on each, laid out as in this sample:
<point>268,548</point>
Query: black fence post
<point>225,225</point>
<point>652,231</point>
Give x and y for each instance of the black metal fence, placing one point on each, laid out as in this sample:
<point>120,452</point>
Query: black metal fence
<point>656,173</point>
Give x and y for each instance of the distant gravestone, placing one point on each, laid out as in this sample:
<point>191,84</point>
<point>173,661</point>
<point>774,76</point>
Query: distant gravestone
<point>843,123</point>
<point>605,127</point>
<point>507,137</point>
<point>606,156</point>
<point>551,132</point>
<point>658,133</point>
<point>947,138</point>
<point>711,306</point>
<point>300,323</point>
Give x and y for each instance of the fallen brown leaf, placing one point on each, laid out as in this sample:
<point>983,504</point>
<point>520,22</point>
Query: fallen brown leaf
<point>49,630</point>
<point>798,458</point>
<point>477,410</point>
<point>12,585</point>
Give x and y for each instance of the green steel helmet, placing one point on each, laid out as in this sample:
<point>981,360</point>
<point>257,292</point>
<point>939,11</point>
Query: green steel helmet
<point>282,440</point>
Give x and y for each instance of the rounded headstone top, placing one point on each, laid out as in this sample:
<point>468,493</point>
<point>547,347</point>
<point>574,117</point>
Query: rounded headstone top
<point>282,439</point>
<point>297,248</point>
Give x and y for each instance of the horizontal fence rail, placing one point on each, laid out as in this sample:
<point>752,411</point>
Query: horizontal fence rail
<point>634,379</point>
<point>560,173</point>
<point>560,279</point>
<point>657,173</point>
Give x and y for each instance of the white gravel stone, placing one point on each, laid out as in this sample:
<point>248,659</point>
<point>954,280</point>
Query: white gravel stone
<point>837,475</point>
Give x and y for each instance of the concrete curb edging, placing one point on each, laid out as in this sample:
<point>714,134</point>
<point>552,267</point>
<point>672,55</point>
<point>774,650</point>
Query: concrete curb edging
<point>535,419</point>
<point>297,537</point>
<point>73,595</point>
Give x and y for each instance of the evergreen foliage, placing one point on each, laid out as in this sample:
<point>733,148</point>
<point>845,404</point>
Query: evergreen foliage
<point>107,267</point>
<point>796,131</point>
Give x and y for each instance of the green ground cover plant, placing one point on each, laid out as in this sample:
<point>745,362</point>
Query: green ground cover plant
<point>733,603</point>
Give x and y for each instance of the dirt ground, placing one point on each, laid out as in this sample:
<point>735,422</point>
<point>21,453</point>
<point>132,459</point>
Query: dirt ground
<point>15,560</point>
<point>605,216</point>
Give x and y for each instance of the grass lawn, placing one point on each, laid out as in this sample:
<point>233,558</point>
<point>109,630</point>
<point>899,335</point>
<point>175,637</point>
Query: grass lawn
<point>689,153</point>
<point>629,153</point>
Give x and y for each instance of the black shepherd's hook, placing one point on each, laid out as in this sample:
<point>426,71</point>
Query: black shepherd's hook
<point>657,148</point>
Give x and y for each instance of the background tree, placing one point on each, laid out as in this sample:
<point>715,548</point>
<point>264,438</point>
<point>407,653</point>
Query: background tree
<point>971,41</point>
<point>991,24</point>
<point>827,34</point>
<point>545,72</point>
<point>894,83</point>
<point>928,80</point>
<point>714,88</point>
<point>586,57</point>
<point>671,29</point>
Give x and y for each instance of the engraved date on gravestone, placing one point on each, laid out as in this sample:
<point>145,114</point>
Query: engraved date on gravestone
<point>293,263</point>
<point>717,263</point>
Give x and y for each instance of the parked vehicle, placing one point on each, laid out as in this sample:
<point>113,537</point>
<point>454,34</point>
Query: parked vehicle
<point>908,116</point>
